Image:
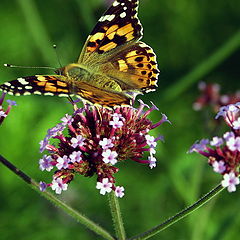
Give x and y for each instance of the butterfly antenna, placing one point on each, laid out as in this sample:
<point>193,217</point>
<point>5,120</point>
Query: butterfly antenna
<point>56,52</point>
<point>15,66</point>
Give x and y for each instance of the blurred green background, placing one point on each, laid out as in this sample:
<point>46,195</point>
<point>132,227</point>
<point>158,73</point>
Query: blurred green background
<point>184,34</point>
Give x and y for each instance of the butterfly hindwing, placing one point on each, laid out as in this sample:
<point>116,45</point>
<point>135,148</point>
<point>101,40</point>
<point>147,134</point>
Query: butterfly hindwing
<point>40,85</point>
<point>136,67</point>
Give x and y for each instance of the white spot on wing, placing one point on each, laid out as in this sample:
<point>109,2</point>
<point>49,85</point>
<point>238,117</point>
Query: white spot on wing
<point>48,94</point>
<point>10,93</point>
<point>22,81</point>
<point>27,93</point>
<point>28,87</point>
<point>63,95</point>
<point>107,17</point>
<point>123,15</point>
<point>37,93</point>
<point>7,84</point>
<point>115,3</point>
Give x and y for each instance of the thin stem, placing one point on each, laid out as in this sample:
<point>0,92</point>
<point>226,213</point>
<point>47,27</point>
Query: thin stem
<point>203,68</point>
<point>116,216</point>
<point>179,215</point>
<point>72,212</point>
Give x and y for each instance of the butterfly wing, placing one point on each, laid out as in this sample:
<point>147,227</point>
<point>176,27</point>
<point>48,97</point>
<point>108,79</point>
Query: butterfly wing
<point>58,85</point>
<point>114,47</point>
<point>49,85</point>
<point>118,25</point>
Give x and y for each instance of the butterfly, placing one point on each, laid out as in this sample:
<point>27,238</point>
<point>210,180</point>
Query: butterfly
<point>113,67</point>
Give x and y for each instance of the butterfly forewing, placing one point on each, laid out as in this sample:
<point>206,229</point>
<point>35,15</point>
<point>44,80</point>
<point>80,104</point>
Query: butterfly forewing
<point>38,84</point>
<point>118,26</point>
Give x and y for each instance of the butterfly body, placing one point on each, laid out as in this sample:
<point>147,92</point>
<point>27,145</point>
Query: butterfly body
<point>113,67</point>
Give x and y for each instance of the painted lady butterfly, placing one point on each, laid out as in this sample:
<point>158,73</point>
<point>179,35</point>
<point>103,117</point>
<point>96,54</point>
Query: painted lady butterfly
<point>113,67</point>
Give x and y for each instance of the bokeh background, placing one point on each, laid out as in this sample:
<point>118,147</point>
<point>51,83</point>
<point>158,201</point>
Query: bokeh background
<point>194,41</point>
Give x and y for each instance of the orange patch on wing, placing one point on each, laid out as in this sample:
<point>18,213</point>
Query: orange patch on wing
<point>125,29</point>
<point>61,84</point>
<point>123,67</point>
<point>108,46</point>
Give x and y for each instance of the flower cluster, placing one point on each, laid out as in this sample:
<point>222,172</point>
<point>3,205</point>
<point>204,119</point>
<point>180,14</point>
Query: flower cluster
<point>98,138</point>
<point>210,96</point>
<point>3,114</point>
<point>223,153</point>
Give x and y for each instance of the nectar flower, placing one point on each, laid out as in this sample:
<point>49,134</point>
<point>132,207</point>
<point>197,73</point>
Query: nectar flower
<point>58,185</point>
<point>62,162</point>
<point>96,139</point>
<point>119,191</point>
<point>76,156</point>
<point>106,143</point>
<point>77,142</point>
<point>105,186</point>
<point>211,97</point>
<point>230,181</point>
<point>110,156</point>
<point>3,113</point>
<point>223,153</point>
<point>45,163</point>
<point>67,119</point>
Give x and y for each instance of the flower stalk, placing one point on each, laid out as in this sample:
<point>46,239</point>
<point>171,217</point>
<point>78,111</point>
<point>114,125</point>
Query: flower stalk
<point>116,216</point>
<point>57,202</point>
<point>170,221</point>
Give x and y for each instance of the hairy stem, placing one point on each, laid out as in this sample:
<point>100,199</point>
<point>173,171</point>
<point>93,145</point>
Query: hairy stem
<point>179,215</point>
<point>49,196</point>
<point>116,216</point>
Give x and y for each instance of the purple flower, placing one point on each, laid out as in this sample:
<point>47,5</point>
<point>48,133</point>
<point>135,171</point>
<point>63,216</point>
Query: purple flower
<point>199,146</point>
<point>216,142</point>
<point>62,162</point>
<point>152,162</point>
<point>75,156</point>
<point>96,139</point>
<point>58,185</point>
<point>236,124</point>
<point>116,122</point>
<point>4,113</point>
<point>106,143</point>
<point>105,186</point>
<point>228,135</point>
<point>42,186</point>
<point>109,156</point>
<point>151,141</point>
<point>119,191</point>
<point>52,132</point>
<point>230,181</point>
<point>223,153</point>
<point>77,142</point>
<point>219,167</point>
<point>43,144</point>
<point>11,103</point>
<point>233,143</point>
<point>67,119</point>
<point>45,163</point>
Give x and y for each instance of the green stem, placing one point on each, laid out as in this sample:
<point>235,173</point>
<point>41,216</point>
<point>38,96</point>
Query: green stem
<point>203,68</point>
<point>72,212</point>
<point>179,215</point>
<point>116,216</point>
